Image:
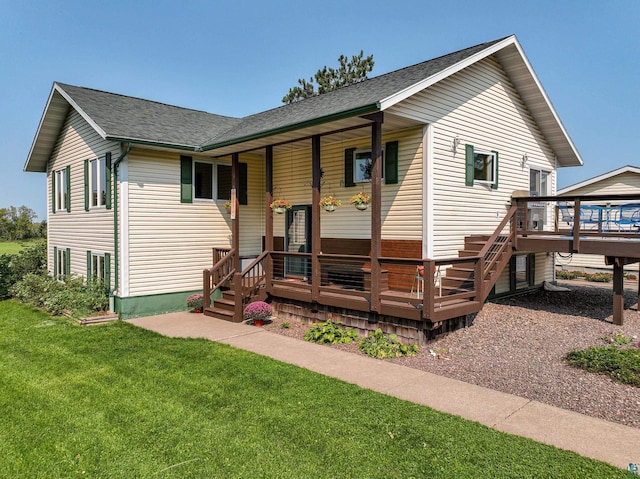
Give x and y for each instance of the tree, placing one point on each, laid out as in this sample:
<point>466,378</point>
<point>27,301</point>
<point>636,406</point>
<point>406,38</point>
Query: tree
<point>329,79</point>
<point>17,223</point>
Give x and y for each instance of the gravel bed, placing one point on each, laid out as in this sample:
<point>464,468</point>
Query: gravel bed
<point>518,345</point>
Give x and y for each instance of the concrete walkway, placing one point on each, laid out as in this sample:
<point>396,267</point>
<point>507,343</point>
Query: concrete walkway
<point>609,442</point>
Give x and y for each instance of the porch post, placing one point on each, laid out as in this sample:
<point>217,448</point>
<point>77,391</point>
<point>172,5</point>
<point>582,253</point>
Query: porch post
<point>618,291</point>
<point>268,215</point>
<point>376,209</point>
<point>235,235</point>
<point>315,218</point>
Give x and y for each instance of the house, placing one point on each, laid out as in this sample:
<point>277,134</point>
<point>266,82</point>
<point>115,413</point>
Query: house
<point>624,180</point>
<point>137,192</point>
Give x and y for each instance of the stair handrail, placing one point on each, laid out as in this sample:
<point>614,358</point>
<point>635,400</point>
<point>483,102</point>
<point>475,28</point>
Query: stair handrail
<point>215,273</point>
<point>255,279</point>
<point>489,254</point>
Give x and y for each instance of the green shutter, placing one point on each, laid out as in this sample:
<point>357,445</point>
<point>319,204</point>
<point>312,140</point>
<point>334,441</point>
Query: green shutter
<point>494,185</point>
<point>469,170</point>
<point>391,163</point>
<point>86,185</point>
<point>88,265</point>
<point>348,167</point>
<point>107,270</point>
<point>242,194</point>
<point>53,191</point>
<point>55,263</point>
<point>67,262</point>
<point>107,167</point>
<point>186,179</point>
<point>68,174</point>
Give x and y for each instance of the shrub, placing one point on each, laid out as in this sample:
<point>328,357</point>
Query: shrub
<point>69,296</point>
<point>600,277</point>
<point>377,345</point>
<point>258,310</point>
<point>13,267</point>
<point>563,274</point>
<point>622,365</point>
<point>329,332</point>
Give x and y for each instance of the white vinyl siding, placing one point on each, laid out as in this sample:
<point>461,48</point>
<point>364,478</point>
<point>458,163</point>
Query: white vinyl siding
<point>401,202</point>
<point>481,107</point>
<point>78,230</point>
<point>169,242</point>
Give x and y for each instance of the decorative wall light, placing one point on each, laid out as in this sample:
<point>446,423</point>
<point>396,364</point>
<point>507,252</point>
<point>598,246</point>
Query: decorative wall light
<point>454,144</point>
<point>525,159</point>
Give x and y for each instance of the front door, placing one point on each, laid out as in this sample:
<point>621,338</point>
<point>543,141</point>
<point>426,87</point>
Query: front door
<point>298,240</point>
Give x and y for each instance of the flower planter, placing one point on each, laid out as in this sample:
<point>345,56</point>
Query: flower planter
<point>361,206</point>
<point>279,209</point>
<point>196,310</point>
<point>258,322</point>
<point>228,210</point>
<point>329,208</point>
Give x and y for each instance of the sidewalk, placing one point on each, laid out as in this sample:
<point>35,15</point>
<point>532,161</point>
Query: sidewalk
<point>606,441</point>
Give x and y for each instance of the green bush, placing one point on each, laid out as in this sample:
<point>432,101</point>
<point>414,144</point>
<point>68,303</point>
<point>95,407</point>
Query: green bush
<point>378,345</point>
<point>70,296</point>
<point>329,332</point>
<point>13,267</point>
<point>563,274</point>
<point>600,277</point>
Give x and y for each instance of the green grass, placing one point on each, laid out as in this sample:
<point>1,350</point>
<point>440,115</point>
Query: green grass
<point>622,365</point>
<point>12,247</point>
<point>119,402</point>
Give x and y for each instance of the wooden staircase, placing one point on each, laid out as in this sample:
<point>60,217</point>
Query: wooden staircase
<point>223,308</point>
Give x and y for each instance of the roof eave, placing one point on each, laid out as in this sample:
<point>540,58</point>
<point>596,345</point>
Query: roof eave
<point>363,110</point>
<point>595,179</point>
<point>141,141</point>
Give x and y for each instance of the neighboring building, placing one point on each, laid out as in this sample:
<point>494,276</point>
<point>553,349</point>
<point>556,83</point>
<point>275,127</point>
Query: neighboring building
<point>137,188</point>
<point>624,180</point>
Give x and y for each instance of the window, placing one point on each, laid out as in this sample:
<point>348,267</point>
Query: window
<point>61,262</point>
<point>481,167</point>
<point>60,190</point>
<point>203,180</point>
<point>357,165</point>
<point>538,183</point>
<point>522,271</point>
<point>98,266</point>
<point>362,166</point>
<point>97,183</point>
<point>209,181</point>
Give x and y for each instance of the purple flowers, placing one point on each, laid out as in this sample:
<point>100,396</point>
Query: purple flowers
<point>194,301</point>
<point>258,310</point>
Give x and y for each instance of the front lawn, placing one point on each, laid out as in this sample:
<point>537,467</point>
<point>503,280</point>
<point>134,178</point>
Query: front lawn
<point>120,402</point>
<point>13,247</point>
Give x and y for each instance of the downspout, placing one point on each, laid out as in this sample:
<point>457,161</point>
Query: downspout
<point>116,262</point>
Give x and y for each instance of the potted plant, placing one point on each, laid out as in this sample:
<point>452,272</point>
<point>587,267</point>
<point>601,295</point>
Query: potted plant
<point>227,206</point>
<point>330,203</point>
<point>257,312</point>
<point>194,303</point>
<point>360,200</point>
<point>280,206</point>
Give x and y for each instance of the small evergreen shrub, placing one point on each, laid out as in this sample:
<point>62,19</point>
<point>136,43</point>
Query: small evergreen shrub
<point>563,274</point>
<point>378,345</point>
<point>329,332</point>
<point>600,277</point>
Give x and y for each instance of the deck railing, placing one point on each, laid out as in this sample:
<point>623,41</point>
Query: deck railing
<point>219,275</point>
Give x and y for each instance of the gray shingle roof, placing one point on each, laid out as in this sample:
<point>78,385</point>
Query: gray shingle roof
<point>131,118</point>
<point>353,97</point>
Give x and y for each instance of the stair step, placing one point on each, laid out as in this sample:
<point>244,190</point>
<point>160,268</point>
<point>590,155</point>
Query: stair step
<point>474,245</point>
<point>218,313</point>
<point>225,303</point>
<point>460,273</point>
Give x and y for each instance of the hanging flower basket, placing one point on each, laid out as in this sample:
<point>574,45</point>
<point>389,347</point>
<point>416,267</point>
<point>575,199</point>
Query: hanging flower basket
<point>227,206</point>
<point>360,200</point>
<point>280,206</point>
<point>330,203</point>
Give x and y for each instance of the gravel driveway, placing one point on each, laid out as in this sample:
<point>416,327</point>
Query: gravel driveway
<point>517,346</point>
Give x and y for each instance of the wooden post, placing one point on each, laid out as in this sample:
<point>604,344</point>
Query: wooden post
<point>206,289</point>
<point>235,235</point>
<point>618,291</point>
<point>268,215</point>
<point>428,288</point>
<point>576,227</point>
<point>376,209</point>
<point>315,218</point>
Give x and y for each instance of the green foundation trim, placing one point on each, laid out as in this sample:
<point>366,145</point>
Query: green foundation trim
<point>136,306</point>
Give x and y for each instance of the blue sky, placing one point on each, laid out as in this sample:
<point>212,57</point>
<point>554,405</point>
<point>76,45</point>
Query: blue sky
<point>240,57</point>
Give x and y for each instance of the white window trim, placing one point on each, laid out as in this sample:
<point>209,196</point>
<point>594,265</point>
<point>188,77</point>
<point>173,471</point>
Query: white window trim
<point>355,165</point>
<point>101,270</point>
<point>61,262</point>
<point>493,167</point>
<point>541,171</point>
<point>214,181</point>
<point>101,172</point>
<point>60,188</point>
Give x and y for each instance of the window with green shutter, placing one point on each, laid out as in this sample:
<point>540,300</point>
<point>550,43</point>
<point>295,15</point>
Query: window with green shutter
<point>481,167</point>
<point>357,165</point>
<point>209,180</point>
<point>61,190</point>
